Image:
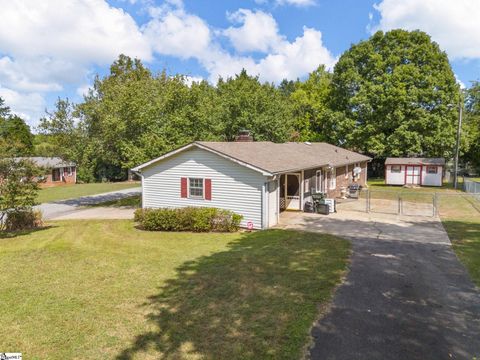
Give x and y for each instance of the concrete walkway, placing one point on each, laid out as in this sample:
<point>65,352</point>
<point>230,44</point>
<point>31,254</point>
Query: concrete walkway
<point>76,208</point>
<point>406,296</point>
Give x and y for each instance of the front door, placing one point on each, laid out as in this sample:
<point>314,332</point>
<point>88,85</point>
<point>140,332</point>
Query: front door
<point>292,190</point>
<point>412,175</point>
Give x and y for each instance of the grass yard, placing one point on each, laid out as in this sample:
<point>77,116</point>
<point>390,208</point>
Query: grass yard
<point>77,190</point>
<point>461,218</point>
<point>103,289</point>
<point>460,215</point>
<point>130,202</point>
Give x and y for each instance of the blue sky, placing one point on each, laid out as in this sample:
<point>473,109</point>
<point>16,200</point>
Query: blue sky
<point>54,48</point>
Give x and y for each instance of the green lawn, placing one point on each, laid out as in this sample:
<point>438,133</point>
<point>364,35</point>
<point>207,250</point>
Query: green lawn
<point>77,190</point>
<point>103,289</point>
<point>460,215</point>
<point>131,202</point>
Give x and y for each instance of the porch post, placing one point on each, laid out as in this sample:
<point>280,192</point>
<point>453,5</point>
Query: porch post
<point>301,190</point>
<point>278,199</point>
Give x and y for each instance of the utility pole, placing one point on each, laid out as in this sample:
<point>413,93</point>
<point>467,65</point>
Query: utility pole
<point>457,148</point>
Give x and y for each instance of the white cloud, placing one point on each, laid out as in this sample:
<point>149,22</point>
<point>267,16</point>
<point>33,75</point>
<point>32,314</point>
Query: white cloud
<point>296,2</point>
<point>83,90</point>
<point>173,31</point>
<point>79,31</point>
<point>29,106</point>
<point>48,44</point>
<point>189,80</point>
<point>258,31</point>
<point>453,24</point>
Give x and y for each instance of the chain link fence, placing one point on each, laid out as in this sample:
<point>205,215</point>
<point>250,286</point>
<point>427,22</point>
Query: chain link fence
<point>413,203</point>
<point>471,186</point>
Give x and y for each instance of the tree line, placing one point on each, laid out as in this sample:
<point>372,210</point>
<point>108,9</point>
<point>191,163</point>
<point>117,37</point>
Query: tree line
<point>394,94</point>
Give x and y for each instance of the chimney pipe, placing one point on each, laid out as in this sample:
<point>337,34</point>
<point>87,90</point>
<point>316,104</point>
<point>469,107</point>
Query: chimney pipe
<point>244,136</point>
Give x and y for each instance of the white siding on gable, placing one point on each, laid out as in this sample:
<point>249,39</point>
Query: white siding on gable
<point>234,187</point>
<point>395,178</point>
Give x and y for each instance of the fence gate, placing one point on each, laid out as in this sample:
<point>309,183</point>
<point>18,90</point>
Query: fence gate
<point>401,203</point>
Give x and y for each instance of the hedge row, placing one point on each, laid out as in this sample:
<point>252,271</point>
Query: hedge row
<point>197,219</point>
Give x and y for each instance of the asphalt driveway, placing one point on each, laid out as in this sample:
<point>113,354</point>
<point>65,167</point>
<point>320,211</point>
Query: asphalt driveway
<point>76,208</point>
<point>406,296</point>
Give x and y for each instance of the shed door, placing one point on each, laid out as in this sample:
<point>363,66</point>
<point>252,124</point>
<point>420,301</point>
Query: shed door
<point>412,175</point>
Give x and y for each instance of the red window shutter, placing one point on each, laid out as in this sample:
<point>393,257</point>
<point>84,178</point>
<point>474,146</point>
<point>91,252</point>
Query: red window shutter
<point>183,187</point>
<point>208,189</point>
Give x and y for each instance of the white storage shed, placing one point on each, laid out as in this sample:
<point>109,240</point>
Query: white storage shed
<point>414,171</point>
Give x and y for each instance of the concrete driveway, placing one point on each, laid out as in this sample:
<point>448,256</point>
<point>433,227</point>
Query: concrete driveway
<point>406,296</point>
<point>77,208</point>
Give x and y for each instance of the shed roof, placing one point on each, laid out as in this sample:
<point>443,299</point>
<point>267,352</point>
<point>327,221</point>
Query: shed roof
<point>414,161</point>
<point>277,158</point>
<point>48,162</point>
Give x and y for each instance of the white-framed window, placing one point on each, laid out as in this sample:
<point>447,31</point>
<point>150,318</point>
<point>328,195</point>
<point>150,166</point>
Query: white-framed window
<point>432,169</point>
<point>333,179</point>
<point>396,169</point>
<point>195,188</point>
<point>318,181</point>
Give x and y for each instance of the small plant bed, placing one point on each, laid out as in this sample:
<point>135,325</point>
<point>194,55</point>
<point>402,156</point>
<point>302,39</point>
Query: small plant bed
<point>104,287</point>
<point>196,219</point>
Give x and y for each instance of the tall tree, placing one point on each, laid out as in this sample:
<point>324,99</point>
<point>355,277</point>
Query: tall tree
<point>14,132</point>
<point>245,103</point>
<point>471,127</point>
<point>398,93</point>
<point>314,118</point>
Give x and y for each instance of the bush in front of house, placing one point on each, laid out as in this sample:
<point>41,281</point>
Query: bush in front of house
<point>197,219</point>
<point>23,220</point>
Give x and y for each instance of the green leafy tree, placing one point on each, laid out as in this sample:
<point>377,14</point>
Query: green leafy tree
<point>15,132</point>
<point>62,134</point>
<point>314,118</point>
<point>397,92</point>
<point>471,127</point>
<point>18,188</point>
<point>245,103</point>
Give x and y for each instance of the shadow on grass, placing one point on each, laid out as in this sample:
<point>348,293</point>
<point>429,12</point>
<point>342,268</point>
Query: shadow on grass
<point>13,234</point>
<point>256,300</point>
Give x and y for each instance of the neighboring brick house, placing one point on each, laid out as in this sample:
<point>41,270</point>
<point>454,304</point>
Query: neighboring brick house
<point>255,179</point>
<point>57,171</point>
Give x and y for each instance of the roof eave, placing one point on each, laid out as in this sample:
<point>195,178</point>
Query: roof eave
<point>138,169</point>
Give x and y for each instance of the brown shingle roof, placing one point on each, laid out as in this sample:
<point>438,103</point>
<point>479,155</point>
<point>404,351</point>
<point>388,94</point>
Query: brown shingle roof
<point>291,156</point>
<point>415,161</point>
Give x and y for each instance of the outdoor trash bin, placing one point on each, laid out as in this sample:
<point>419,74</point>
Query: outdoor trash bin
<point>309,207</point>
<point>323,209</point>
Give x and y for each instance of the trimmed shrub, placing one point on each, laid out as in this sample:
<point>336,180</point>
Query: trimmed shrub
<point>23,219</point>
<point>197,219</point>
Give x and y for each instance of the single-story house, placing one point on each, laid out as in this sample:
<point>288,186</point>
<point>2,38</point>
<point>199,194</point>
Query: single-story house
<point>414,171</point>
<point>57,171</point>
<point>255,179</point>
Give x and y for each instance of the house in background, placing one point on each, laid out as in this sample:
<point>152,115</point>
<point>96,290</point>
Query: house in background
<point>255,179</point>
<point>57,171</point>
<point>414,171</point>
